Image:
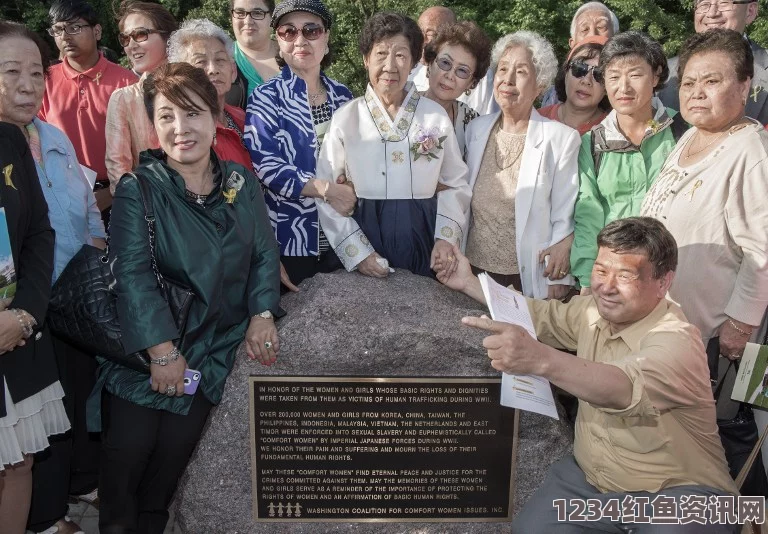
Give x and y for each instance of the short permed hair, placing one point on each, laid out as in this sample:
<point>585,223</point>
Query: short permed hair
<point>595,6</point>
<point>636,44</point>
<point>468,35</point>
<point>269,3</point>
<point>580,52</point>
<point>192,30</point>
<point>175,81</point>
<point>642,234</point>
<point>67,10</point>
<point>387,24</point>
<point>729,42</point>
<point>542,54</point>
<point>14,29</point>
<point>161,18</point>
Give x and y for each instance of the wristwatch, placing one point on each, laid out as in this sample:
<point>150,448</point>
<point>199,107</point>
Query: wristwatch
<point>265,315</point>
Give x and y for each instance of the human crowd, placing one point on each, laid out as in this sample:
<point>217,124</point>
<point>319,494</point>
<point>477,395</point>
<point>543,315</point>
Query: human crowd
<point>622,192</point>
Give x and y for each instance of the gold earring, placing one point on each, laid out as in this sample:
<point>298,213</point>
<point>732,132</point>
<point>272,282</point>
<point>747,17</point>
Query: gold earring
<point>468,92</point>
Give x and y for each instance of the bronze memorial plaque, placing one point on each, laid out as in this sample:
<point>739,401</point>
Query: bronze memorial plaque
<point>381,449</point>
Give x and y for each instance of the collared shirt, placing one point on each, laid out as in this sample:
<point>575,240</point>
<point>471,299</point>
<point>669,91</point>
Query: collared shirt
<point>76,103</point>
<point>667,436</point>
<point>229,137</point>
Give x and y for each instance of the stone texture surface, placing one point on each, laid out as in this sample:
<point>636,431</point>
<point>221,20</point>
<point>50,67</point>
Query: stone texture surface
<point>349,324</point>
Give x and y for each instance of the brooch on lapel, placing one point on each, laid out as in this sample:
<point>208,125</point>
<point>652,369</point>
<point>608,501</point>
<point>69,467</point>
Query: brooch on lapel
<point>233,186</point>
<point>426,143</point>
<point>7,170</point>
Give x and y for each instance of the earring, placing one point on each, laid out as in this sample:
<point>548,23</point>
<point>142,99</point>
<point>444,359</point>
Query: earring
<point>214,138</point>
<point>468,91</point>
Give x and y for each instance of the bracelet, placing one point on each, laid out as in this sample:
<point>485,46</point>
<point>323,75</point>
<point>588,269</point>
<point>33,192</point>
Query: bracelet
<point>739,330</point>
<point>26,321</point>
<point>172,356</point>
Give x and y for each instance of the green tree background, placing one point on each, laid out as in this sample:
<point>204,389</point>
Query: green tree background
<point>668,21</point>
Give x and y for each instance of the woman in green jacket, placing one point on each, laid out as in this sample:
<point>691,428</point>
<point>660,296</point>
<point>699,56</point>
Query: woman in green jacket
<point>212,235</point>
<point>621,157</point>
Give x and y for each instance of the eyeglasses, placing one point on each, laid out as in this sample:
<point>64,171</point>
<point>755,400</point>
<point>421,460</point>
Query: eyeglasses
<point>256,14</point>
<point>139,35</point>
<point>69,29</point>
<point>723,6</point>
<point>579,69</point>
<point>446,65</point>
<point>310,31</point>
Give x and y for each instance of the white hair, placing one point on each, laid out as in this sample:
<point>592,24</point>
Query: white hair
<point>595,6</point>
<point>542,54</point>
<point>192,30</point>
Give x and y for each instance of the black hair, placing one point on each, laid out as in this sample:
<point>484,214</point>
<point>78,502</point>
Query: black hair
<point>387,24</point>
<point>636,44</point>
<point>69,10</point>
<point>642,234</point>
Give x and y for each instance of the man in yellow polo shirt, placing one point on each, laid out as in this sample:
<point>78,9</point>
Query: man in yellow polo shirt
<point>647,456</point>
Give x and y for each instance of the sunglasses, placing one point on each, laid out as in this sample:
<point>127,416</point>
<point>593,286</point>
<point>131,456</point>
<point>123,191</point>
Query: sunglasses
<point>139,35</point>
<point>579,69</point>
<point>256,14</point>
<point>446,65</point>
<point>70,29</point>
<point>310,31</point>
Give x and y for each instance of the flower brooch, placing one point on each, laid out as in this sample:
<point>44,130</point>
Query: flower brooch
<point>427,143</point>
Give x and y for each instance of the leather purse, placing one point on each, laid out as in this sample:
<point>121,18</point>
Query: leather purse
<point>83,305</point>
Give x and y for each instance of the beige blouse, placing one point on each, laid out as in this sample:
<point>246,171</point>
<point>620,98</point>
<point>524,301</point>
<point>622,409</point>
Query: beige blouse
<point>491,238</point>
<point>717,212</point>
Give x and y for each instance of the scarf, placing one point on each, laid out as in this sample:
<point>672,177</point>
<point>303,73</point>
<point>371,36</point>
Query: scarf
<point>248,70</point>
<point>34,144</point>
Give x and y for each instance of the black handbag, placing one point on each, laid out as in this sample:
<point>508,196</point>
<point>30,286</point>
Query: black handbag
<point>83,305</point>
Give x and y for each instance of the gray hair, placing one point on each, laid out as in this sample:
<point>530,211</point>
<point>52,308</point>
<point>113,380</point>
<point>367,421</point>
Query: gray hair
<point>595,6</point>
<point>542,54</point>
<point>192,30</point>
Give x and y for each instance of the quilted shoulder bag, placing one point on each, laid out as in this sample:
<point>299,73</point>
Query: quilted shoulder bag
<point>83,305</point>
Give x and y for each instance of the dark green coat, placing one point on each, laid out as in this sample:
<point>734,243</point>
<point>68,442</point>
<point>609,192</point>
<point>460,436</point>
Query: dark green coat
<point>227,254</point>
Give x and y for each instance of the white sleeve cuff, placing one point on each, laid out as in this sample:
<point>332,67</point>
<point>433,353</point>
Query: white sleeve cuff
<point>354,249</point>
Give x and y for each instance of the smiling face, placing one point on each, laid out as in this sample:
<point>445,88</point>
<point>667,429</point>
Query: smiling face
<point>302,54</point>
<point>584,93</point>
<point>185,135</point>
<point>738,19</point>
<point>388,65</point>
<point>147,55</point>
<point>81,47</point>
<point>250,33</point>
<point>211,55</point>
<point>711,96</point>
<point>446,85</point>
<point>629,83</point>
<point>22,81</point>
<point>590,23</point>
<point>514,85</point>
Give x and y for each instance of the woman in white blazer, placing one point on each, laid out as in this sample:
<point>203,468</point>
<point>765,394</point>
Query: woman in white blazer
<point>524,176</point>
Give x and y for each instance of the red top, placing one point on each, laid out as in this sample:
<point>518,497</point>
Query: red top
<point>228,143</point>
<point>76,103</point>
<point>550,112</point>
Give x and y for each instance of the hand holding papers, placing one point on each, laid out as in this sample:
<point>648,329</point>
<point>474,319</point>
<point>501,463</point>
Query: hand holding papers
<point>526,392</point>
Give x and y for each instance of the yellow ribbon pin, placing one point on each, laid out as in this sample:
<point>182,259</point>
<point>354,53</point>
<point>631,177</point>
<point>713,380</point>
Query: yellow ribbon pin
<point>230,195</point>
<point>7,170</point>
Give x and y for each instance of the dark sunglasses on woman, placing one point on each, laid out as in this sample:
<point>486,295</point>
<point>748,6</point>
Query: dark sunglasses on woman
<point>310,31</point>
<point>446,64</point>
<point>579,69</point>
<point>139,35</point>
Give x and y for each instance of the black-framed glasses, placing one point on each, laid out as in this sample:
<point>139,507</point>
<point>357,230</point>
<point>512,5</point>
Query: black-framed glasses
<point>310,31</point>
<point>446,65</point>
<point>256,14</point>
<point>69,29</point>
<point>579,69</point>
<point>139,35</point>
<point>723,6</point>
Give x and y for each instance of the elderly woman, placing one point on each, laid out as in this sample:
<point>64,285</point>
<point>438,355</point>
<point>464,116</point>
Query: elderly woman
<point>204,45</point>
<point>711,194</point>
<point>285,124</point>
<point>225,253</point>
<point>255,51</point>
<point>621,157</point>
<point>396,147</point>
<point>523,176</point>
<point>144,31</point>
<point>584,103</point>
<point>457,60</point>
<point>31,407</point>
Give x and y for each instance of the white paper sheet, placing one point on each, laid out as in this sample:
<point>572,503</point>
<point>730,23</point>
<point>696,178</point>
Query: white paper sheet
<point>90,175</point>
<point>524,392</point>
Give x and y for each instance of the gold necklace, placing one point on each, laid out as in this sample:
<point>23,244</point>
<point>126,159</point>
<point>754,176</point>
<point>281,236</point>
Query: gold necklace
<point>688,154</point>
<point>314,97</point>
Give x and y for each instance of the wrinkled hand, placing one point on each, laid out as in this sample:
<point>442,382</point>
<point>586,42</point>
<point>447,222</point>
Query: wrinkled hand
<point>585,291</point>
<point>168,375</point>
<point>4,303</point>
<point>369,267</point>
<point>442,254</point>
<point>11,332</point>
<point>511,349</point>
<point>558,291</point>
<point>341,196</point>
<point>732,342</point>
<point>286,280</point>
<point>261,340</point>
<point>460,276</point>
<point>559,263</point>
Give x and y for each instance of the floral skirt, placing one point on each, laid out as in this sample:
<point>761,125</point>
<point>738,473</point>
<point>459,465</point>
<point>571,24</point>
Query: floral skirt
<point>28,423</point>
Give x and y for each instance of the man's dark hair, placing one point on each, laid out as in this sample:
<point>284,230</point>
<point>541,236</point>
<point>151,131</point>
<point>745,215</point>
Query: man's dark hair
<point>729,42</point>
<point>637,44</point>
<point>384,25</point>
<point>69,10</point>
<point>645,235</point>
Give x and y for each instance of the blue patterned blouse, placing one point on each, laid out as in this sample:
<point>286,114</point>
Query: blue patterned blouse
<point>283,144</point>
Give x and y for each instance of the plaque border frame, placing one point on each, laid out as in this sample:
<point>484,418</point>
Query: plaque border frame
<point>377,380</point>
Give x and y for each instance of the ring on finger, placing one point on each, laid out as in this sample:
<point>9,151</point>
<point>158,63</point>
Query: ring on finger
<point>170,391</point>
<point>267,344</point>
<point>563,273</point>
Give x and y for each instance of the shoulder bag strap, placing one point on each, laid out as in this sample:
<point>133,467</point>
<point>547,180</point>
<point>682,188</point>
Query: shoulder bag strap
<point>149,217</point>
